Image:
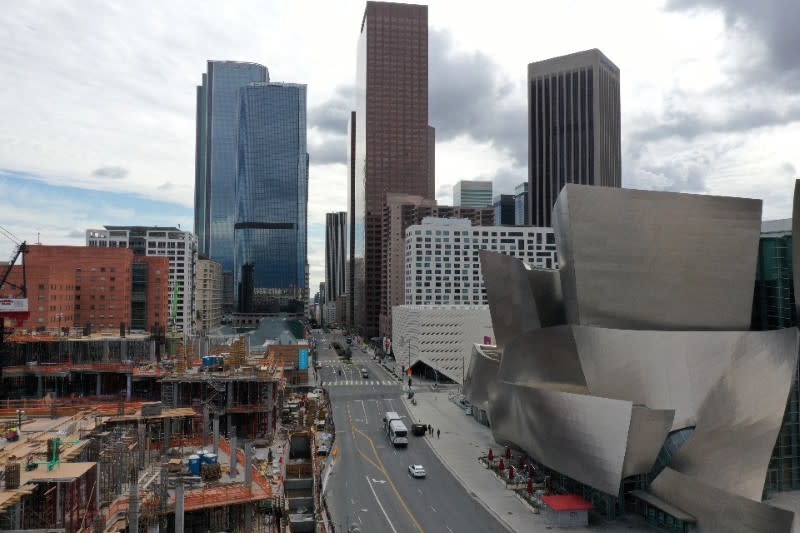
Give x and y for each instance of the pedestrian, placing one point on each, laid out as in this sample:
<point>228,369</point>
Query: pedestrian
<point>430,429</point>
<point>438,431</point>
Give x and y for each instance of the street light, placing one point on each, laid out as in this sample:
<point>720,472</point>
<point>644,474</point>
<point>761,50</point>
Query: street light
<point>20,414</point>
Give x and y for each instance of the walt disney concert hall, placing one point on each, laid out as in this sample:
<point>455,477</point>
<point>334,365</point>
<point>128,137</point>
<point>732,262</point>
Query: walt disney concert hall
<point>631,370</point>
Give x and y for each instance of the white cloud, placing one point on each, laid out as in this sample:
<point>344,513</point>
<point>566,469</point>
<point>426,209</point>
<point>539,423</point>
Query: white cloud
<point>102,96</point>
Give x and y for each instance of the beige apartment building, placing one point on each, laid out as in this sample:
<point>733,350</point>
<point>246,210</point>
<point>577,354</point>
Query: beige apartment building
<point>209,294</point>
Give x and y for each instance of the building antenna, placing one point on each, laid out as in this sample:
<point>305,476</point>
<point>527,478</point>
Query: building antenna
<point>37,238</point>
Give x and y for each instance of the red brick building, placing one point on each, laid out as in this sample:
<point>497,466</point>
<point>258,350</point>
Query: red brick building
<point>76,286</point>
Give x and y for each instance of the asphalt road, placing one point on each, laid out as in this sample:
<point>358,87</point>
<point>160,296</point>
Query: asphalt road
<point>369,485</point>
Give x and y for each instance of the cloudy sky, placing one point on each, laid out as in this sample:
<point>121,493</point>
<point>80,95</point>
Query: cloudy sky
<point>97,99</point>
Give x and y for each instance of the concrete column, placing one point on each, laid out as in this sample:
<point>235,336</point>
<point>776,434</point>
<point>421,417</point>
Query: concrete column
<point>206,424</point>
<point>248,465</point>
<point>141,434</point>
<point>130,387</point>
<point>216,434</point>
<point>18,516</point>
<point>229,396</point>
<point>133,508</point>
<point>153,350</point>
<point>39,387</point>
<point>167,438</point>
<point>232,433</point>
<point>99,468</point>
<point>248,517</point>
<point>179,507</point>
<point>58,505</point>
<point>105,351</point>
<point>123,350</point>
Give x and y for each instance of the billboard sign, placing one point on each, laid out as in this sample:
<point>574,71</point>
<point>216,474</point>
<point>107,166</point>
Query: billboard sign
<point>302,363</point>
<point>14,305</point>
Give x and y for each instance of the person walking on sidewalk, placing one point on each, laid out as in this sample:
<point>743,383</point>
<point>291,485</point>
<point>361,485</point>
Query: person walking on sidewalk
<point>437,433</point>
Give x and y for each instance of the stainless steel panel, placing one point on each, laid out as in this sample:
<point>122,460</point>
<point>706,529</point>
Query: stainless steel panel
<point>481,374</point>
<point>656,260</point>
<point>648,431</point>
<point>541,356</point>
<point>545,286</point>
<point>662,369</point>
<point>739,420</point>
<point>718,510</point>
<point>511,302</point>
<point>581,436</point>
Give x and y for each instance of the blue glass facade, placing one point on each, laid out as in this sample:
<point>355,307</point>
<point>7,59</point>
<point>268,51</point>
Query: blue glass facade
<point>504,210</point>
<point>271,197</point>
<point>216,153</point>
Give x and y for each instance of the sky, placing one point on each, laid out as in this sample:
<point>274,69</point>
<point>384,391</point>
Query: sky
<point>97,98</point>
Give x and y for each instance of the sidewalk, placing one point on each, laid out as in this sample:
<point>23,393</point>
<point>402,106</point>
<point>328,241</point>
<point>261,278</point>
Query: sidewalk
<point>462,440</point>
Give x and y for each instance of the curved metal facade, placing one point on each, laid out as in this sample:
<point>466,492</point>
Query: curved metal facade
<point>641,260</point>
<point>649,343</point>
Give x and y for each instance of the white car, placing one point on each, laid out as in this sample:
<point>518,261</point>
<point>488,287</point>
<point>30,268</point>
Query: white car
<point>416,470</point>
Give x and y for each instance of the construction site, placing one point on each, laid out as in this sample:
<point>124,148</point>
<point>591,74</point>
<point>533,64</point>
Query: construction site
<point>110,434</point>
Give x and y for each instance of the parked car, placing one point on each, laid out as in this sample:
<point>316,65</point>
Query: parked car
<point>419,430</point>
<point>416,470</point>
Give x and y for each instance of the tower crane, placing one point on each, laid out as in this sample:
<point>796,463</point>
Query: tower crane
<point>13,302</point>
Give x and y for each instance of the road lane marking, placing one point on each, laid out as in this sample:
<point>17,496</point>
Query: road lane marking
<point>380,505</point>
<point>433,508</point>
<point>366,418</point>
<point>389,478</point>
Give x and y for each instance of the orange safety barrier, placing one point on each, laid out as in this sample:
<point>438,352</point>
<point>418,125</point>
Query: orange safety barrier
<point>217,496</point>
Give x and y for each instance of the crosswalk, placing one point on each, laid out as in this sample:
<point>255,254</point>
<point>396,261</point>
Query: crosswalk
<point>339,363</point>
<point>359,383</point>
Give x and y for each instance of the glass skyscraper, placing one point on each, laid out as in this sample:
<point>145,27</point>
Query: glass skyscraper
<point>216,153</point>
<point>270,259</point>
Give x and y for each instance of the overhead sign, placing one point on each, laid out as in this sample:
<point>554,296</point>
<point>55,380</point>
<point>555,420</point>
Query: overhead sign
<point>14,305</point>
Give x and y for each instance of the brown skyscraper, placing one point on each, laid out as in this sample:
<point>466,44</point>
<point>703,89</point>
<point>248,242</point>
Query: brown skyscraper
<point>393,142</point>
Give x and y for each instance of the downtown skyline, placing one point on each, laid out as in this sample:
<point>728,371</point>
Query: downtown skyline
<point>704,92</point>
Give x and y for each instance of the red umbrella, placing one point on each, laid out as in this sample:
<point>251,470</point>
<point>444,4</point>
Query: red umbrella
<point>530,485</point>
<point>502,465</point>
<point>491,455</point>
<point>508,453</point>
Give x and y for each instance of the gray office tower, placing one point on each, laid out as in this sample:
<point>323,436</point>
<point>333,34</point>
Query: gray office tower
<point>573,127</point>
<point>215,156</point>
<point>335,225</point>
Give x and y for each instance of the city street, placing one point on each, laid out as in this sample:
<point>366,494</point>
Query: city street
<point>368,485</point>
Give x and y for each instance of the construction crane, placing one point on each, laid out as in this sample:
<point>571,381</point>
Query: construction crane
<point>14,305</point>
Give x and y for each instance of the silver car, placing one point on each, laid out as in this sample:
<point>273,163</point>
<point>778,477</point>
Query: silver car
<point>416,470</point>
